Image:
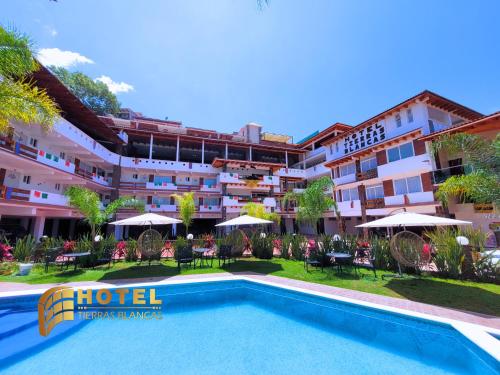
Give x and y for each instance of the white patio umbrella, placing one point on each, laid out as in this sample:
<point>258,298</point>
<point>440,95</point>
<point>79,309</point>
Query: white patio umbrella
<point>411,219</point>
<point>147,219</point>
<point>244,220</point>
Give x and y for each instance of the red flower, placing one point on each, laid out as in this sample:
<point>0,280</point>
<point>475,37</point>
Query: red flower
<point>5,252</point>
<point>69,245</point>
<point>121,248</point>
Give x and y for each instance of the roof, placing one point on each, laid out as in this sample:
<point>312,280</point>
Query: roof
<point>318,135</point>
<point>427,96</point>
<point>486,123</point>
<point>72,109</point>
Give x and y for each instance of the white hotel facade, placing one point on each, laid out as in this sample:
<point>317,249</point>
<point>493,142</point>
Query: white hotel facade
<point>379,166</point>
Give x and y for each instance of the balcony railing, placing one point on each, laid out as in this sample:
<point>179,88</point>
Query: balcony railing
<point>441,175</point>
<point>375,203</point>
<point>34,196</point>
<point>367,175</point>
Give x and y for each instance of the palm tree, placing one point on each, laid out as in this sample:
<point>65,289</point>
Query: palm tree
<point>482,185</point>
<point>187,208</point>
<point>313,202</point>
<point>20,99</point>
<point>89,204</point>
<point>258,210</point>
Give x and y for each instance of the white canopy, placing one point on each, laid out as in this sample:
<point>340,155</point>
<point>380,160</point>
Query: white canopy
<point>411,219</point>
<point>244,220</point>
<point>147,219</point>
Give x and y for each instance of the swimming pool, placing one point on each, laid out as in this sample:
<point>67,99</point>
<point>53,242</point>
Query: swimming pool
<point>239,326</point>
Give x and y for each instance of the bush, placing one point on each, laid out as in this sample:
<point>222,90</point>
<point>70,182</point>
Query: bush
<point>449,253</point>
<point>381,250</point>
<point>286,246</point>
<point>24,248</point>
<point>299,245</point>
<point>262,245</point>
<point>131,251</point>
<point>179,243</point>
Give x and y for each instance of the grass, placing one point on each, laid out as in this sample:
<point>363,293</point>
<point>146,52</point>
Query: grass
<point>464,295</point>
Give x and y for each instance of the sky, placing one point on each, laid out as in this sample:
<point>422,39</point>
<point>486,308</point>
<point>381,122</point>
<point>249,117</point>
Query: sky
<point>292,66</point>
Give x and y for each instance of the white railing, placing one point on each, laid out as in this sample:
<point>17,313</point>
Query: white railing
<point>209,208</point>
<point>420,197</point>
<point>317,171</point>
<point>405,167</point>
<point>100,180</point>
<point>161,207</point>
<point>161,185</point>
<point>344,179</point>
<point>55,161</point>
<point>350,208</point>
<point>210,188</point>
<point>291,172</point>
<point>167,165</point>
<point>38,196</point>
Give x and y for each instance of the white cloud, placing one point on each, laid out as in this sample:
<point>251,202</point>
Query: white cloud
<point>51,30</point>
<point>65,59</point>
<point>115,87</point>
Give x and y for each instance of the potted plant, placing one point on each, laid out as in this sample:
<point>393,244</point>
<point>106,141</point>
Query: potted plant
<point>23,252</point>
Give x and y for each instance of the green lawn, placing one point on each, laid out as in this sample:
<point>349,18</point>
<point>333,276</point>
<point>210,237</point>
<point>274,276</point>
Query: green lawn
<point>464,295</point>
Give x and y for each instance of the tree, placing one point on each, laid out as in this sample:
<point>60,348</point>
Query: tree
<point>20,99</point>
<point>313,202</point>
<point>186,208</point>
<point>89,204</point>
<point>95,95</point>
<point>258,210</point>
<point>482,185</point>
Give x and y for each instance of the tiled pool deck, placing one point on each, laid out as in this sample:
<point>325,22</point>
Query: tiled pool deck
<point>442,312</point>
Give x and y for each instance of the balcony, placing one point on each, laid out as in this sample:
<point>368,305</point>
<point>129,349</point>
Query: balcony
<point>406,167</point>
<point>166,165</point>
<point>411,198</point>
<point>132,185</point>
<point>347,179</point>
<point>350,208</point>
<point>230,201</point>
<point>55,161</point>
<point>441,175</point>
<point>33,196</point>
<point>291,172</point>
<point>210,188</point>
<point>161,207</point>
<point>375,203</point>
<point>367,175</point>
<point>317,171</point>
<point>161,186</point>
<point>209,208</point>
<point>236,181</point>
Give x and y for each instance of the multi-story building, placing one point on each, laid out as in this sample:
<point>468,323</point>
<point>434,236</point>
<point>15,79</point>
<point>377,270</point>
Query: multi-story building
<point>378,166</point>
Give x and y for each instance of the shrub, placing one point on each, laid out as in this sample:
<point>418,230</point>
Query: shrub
<point>299,245</point>
<point>179,243</point>
<point>449,253</point>
<point>381,250</point>
<point>262,245</point>
<point>24,248</point>
<point>131,252</point>
<point>286,246</point>
<point>5,252</point>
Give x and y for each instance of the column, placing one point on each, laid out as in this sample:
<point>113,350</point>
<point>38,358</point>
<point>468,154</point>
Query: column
<point>250,153</point>
<point>72,224</point>
<point>174,230</point>
<point>362,201</point>
<point>286,158</point>
<point>203,151</point>
<point>227,151</point>
<point>118,232</point>
<point>178,149</point>
<point>126,231</point>
<point>38,227</point>
<point>151,147</point>
<point>55,227</point>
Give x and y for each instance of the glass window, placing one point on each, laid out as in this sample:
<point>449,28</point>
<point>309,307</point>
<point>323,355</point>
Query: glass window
<point>406,150</point>
<point>409,115</point>
<point>393,154</point>
<point>374,192</point>
<point>414,184</point>
<point>348,169</point>
<point>350,194</point>
<point>398,120</point>
<point>368,164</point>
<point>400,187</point>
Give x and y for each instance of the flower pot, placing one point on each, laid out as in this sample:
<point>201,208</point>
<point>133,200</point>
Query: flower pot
<point>25,268</point>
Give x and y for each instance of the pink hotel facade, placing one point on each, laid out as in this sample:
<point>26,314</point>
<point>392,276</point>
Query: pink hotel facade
<point>379,166</point>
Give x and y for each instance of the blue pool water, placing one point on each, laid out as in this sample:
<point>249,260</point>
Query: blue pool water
<point>238,327</point>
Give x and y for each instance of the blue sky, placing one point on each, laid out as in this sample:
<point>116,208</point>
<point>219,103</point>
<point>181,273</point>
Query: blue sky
<point>294,66</point>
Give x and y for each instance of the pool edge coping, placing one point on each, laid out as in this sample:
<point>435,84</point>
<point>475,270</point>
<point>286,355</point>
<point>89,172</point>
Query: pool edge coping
<point>480,335</point>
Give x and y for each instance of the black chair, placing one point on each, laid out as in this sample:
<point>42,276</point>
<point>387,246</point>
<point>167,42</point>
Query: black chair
<point>364,258</point>
<point>225,254</point>
<point>51,257</point>
<point>314,258</point>
<point>184,255</point>
<point>105,257</point>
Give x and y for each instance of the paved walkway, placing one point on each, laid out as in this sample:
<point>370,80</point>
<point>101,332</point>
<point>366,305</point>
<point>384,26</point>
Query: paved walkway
<point>465,316</point>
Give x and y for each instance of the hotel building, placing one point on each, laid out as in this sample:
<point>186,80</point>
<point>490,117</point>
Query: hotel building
<point>379,166</point>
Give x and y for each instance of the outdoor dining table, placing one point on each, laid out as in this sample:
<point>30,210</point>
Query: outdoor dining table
<point>75,257</point>
<point>342,257</point>
<point>198,254</point>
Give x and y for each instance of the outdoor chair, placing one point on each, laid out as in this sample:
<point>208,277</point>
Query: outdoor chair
<point>52,256</point>
<point>184,255</point>
<point>363,258</point>
<point>312,257</point>
<point>105,257</point>
<point>225,254</point>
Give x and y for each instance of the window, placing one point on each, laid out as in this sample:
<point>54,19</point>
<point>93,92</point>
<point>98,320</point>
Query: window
<point>407,185</point>
<point>337,147</point>
<point>400,152</point>
<point>409,115</point>
<point>62,155</point>
<point>58,186</point>
<point>27,179</point>
<point>331,149</point>
<point>398,120</point>
<point>368,164</point>
<point>135,176</point>
<point>33,142</point>
<point>347,169</point>
<point>374,192</point>
<point>350,194</point>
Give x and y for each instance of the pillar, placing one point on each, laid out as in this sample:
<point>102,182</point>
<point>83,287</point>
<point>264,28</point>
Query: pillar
<point>151,147</point>
<point>55,227</point>
<point>118,232</point>
<point>38,227</point>
<point>72,224</point>
<point>286,158</point>
<point>203,151</point>
<point>227,151</point>
<point>250,153</point>
<point>177,151</point>
<point>174,230</point>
